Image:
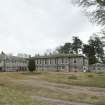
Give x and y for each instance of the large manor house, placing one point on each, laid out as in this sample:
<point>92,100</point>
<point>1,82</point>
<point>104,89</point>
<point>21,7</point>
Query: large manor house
<point>57,62</point>
<point>61,62</point>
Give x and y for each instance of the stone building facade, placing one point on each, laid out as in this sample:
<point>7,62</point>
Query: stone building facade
<point>97,67</point>
<point>13,63</point>
<point>62,62</point>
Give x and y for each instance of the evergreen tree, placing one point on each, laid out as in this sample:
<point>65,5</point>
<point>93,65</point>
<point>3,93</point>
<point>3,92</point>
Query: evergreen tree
<point>31,65</point>
<point>77,44</point>
<point>89,51</point>
<point>94,50</point>
<point>65,49</point>
<point>98,46</point>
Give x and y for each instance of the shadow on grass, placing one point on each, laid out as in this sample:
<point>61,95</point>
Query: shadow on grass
<point>32,73</point>
<point>2,85</point>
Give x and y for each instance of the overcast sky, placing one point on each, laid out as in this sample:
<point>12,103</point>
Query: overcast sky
<point>32,26</point>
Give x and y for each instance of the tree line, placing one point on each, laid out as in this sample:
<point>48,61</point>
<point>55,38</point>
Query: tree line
<point>93,50</point>
<point>95,10</point>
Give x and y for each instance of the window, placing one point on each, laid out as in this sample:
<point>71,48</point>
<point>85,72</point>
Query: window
<point>56,60</point>
<point>62,60</point>
<point>37,61</point>
<point>63,67</point>
<point>50,60</point>
<point>45,61</point>
<point>75,61</point>
<point>40,61</point>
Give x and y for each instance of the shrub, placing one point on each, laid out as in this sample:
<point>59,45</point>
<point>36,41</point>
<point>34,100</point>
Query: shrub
<point>90,75</point>
<point>31,65</point>
<point>94,97</point>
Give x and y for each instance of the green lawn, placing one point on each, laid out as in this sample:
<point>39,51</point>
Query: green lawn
<point>14,94</point>
<point>82,79</point>
<point>10,96</point>
<point>19,88</point>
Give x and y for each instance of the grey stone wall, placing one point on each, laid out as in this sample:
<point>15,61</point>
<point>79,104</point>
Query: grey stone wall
<point>13,63</point>
<point>61,63</point>
<point>98,67</point>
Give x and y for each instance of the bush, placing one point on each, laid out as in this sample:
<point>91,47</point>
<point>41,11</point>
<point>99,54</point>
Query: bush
<point>94,97</point>
<point>31,65</point>
<point>90,75</point>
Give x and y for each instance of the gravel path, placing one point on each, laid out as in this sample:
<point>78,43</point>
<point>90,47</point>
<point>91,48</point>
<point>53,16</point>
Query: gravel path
<point>67,89</point>
<point>57,102</point>
<point>72,89</point>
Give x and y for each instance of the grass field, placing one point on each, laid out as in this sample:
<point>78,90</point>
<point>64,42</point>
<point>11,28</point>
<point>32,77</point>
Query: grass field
<point>52,88</point>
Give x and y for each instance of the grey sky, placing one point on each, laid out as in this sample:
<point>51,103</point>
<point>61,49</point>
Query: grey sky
<point>32,26</point>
